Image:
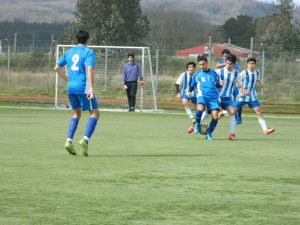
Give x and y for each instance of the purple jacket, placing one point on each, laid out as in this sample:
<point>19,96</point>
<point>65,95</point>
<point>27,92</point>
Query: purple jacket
<point>131,72</point>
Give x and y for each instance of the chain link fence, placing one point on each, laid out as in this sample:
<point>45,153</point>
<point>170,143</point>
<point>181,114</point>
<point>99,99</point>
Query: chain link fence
<point>27,77</point>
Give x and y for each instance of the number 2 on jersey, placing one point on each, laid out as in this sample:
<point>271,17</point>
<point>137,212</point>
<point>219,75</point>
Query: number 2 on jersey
<point>75,60</point>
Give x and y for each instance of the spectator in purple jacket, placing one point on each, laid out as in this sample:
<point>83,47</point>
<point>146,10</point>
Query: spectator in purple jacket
<point>131,73</point>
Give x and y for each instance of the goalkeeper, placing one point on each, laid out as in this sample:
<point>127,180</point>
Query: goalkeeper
<point>130,74</point>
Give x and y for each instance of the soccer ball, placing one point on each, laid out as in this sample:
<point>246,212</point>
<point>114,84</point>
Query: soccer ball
<point>203,128</point>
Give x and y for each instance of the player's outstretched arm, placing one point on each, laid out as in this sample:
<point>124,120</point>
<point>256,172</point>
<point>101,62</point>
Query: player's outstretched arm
<point>220,65</point>
<point>61,72</point>
<point>262,86</point>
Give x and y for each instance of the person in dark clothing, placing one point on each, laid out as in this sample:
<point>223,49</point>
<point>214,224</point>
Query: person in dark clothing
<point>131,73</point>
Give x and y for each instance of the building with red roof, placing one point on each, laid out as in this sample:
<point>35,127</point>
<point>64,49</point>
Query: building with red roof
<point>217,49</point>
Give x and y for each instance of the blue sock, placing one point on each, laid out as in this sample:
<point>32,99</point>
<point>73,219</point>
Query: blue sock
<point>90,127</point>
<point>198,116</point>
<point>240,113</point>
<point>212,126</point>
<point>72,128</point>
<point>237,118</point>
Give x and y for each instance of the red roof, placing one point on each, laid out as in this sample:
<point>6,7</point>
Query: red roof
<point>216,50</point>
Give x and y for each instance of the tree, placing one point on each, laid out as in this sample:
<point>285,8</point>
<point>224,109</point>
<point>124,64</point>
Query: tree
<point>239,29</point>
<point>112,21</point>
<point>281,33</point>
<point>175,29</point>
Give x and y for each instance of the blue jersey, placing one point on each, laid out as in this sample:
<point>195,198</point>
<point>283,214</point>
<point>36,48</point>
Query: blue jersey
<point>247,79</point>
<point>205,82</point>
<point>229,79</point>
<point>185,80</point>
<point>77,59</point>
<point>222,61</point>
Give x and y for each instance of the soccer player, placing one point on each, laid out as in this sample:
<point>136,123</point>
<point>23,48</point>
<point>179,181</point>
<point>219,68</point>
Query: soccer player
<point>184,81</point>
<point>130,74</point>
<point>206,81</point>
<point>247,93</point>
<point>80,62</point>
<point>221,64</point>
<point>228,76</point>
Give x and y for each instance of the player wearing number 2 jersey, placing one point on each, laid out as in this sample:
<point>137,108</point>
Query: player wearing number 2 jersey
<point>80,62</point>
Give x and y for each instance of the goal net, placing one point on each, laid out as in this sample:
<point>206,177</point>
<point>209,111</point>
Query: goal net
<point>108,78</point>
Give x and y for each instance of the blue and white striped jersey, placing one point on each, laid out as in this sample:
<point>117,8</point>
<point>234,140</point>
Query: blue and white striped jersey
<point>247,79</point>
<point>185,80</point>
<point>229,79</point>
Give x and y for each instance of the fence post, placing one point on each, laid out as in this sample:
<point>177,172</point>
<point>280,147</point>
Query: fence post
<point>262,69</point>
<point>251,47</point>
<point>33,41</point>
<point>15,44</point>
<point>105,66</point>
<point>8,62</point>
<point>209,53</point>
<point>156,66</point>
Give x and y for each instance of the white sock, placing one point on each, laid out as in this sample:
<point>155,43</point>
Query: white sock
<point>262,122</point>
<point>231,124</point>
<point>225,112</point>
<point>204,116</point>
<point>189,112</point>
<point>86,138</point>
<point>70,140</point>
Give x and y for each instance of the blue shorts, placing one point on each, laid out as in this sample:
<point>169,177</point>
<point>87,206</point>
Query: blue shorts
<point>191,99</point>
<point>80,101</point>
<point>251,104</point>
<point>226,102</point>
<point>210,104</point>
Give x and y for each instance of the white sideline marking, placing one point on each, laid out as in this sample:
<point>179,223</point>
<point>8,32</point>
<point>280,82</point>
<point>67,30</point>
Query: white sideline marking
<point>159,111</point>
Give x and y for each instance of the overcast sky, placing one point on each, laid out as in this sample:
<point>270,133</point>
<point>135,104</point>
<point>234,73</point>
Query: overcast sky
<point>297,2</point>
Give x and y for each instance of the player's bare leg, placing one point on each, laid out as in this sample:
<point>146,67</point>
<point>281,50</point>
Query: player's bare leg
<point>231,111</point>
<point>262,121</point>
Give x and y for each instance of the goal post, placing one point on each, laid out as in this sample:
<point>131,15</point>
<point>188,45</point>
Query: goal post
<point>108,78</point>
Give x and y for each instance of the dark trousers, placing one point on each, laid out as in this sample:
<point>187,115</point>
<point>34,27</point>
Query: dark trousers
<point>131,93</point>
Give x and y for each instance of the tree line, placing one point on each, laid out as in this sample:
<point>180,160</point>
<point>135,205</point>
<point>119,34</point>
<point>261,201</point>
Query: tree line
<point>122,22</point>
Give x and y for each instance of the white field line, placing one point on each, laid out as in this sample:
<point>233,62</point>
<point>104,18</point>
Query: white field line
<point>159,111</point>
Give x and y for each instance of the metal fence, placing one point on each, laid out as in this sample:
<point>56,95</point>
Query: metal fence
<point>26,71</point>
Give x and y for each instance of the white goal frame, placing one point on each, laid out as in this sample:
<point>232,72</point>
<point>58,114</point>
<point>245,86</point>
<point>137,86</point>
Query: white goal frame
<point>145,50</point>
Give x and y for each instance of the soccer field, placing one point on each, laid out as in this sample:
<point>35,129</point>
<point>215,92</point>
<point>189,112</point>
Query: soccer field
<point>144,168</point>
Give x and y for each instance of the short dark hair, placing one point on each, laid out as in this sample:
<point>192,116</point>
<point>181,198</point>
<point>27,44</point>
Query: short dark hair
<point>231,58</point>
<point>130,54</point>
<point>201,58</point>
<point>251,59</point>
<point>225,51</point>
<point>190,63</point>
<point>82,37</point>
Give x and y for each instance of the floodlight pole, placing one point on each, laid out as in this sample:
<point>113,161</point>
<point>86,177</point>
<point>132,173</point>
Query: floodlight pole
<point>8,62</point>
